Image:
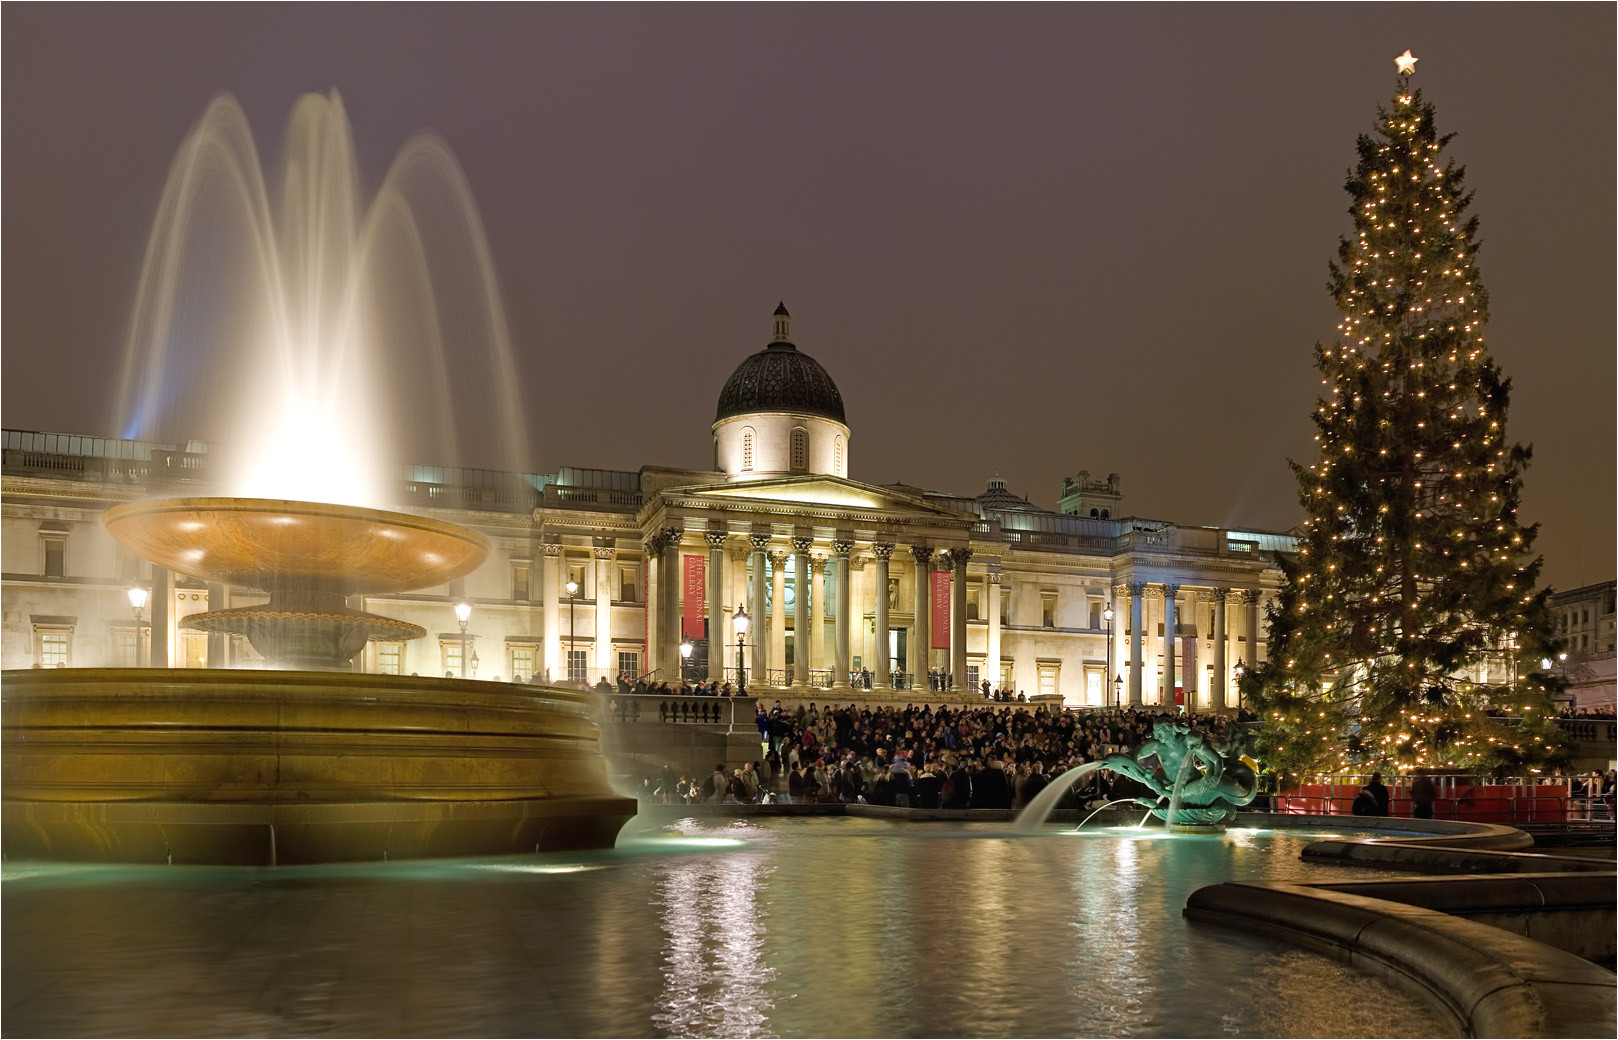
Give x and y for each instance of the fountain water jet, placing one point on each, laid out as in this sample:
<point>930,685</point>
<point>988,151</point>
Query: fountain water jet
<point>1215,775</point>
<point>304,765</point>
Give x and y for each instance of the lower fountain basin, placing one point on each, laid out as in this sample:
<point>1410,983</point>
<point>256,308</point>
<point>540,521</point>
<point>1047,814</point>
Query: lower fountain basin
<point>236,766</point>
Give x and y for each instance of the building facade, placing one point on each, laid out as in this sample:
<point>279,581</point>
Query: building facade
<point>1587,621</point>
<point>846,583</point>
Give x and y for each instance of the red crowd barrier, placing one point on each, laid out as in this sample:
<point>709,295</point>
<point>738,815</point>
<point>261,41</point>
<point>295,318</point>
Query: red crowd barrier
<point>1478,803</point>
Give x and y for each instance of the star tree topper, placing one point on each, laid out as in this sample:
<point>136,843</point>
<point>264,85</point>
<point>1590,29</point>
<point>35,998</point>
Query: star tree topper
<point>1406,63</point>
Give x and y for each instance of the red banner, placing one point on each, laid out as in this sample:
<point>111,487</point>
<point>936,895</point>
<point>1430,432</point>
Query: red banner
<point>941,582</point>
<point>696,594</point>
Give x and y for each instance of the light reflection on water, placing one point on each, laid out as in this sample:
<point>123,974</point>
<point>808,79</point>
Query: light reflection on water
<point>793,927</point>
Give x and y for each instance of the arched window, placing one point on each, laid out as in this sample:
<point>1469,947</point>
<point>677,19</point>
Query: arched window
<point>837,456</point>
<point>747,449</point>
<point>800,450</point>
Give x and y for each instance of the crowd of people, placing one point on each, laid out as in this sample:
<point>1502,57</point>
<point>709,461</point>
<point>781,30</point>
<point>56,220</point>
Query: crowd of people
<point>975,757</point>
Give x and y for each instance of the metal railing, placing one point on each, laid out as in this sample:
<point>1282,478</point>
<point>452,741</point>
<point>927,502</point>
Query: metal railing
<point>1514,800</point>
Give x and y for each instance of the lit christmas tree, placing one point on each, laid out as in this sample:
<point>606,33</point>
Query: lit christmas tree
<point>1409,620</point>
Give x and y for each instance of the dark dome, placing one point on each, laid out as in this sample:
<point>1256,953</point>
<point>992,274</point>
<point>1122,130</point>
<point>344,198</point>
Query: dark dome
<point>780,378</point>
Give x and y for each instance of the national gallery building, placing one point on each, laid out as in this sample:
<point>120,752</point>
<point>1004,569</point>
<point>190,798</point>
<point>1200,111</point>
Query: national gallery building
<point>600,572</point>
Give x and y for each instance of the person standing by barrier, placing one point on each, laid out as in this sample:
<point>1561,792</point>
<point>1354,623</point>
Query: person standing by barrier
<point>1422,796</point>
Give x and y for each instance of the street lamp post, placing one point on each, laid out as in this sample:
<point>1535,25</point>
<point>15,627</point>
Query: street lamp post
<point>685,657</point>
<point>739,621</point>
<point>463,614</point>
<point>1107,616</point>
<point>137,602</point>
<point>1240,670</point>
<point>572,631</point>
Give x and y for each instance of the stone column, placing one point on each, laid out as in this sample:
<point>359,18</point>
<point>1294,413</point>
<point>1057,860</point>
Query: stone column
<point>716,604</point>
<point>800,611</point>
<point>777,660</point>
<point>991,597</point>
<point>218,641</point>
<point>817,615</point>
<point>1169,641</point>
<point>550,591</point>
<point>605,555</point>
<point>756,636</point>
<point>668,605</point>
<point>882,662</point>
<point>919,637</point>
<point>1251,598</point>
<point>957,618</point>
<point>1120,651</point>
<point>1135,634</point>
<point>845,611</point>
<point>1216,694</point>
<point>652,560</point>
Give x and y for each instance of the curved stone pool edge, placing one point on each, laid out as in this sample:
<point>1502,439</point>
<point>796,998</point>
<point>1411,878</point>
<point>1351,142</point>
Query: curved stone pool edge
<point>1494,982</point>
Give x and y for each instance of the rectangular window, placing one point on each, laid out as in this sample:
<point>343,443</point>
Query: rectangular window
<point>973,677</point>
<point>1049,678</point>
<point>195,648</point>
<point>1047,608</point>
<point>628,585</point>
<point>519,580</point>
<point>450,652</point>
<point>1005,674</point>
<point>575,574</point>
<point>629,663</point>
<point>974,597</point>
<point>578,665</point>
<point>126,647</point>
<point>521,658</point>
<point>1095,613</point>
<point>1005,606</point>
<point>53,647</point>
<point>54,548</point>
<point>792,651</point>
<point>390,658</point>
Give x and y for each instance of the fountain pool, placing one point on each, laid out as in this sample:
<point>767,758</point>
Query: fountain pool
<point>805,926</point>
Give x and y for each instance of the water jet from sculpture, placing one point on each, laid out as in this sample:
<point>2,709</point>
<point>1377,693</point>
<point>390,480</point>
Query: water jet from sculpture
<point>1197,782</point>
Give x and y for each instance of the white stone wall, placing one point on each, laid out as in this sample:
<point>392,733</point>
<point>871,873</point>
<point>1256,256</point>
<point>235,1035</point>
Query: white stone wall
<point>772,444</point>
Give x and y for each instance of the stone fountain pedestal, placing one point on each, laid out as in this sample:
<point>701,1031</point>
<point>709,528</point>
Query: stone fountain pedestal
<point>315,764</point>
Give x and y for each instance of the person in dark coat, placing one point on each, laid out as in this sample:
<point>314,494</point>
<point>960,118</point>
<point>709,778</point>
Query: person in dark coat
<point>960,783</point>
<point>1379,791</point>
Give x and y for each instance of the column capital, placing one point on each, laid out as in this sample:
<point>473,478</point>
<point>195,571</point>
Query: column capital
<point>738,553</point>
<point>882,550</point>
<point>778,560</point>
<point>674,534</point>
<point>922,553</point>
<point>1135,588</point>
<point>551,549</point>
<point>1170,589</point>
<point>993,576</point>
<point>1120,590</point>
<point>654,545</point>
<point>716,539</point>
<point>954,557</point>
<point>1217,594</point>
<point>604,552</point>
<point>1252,596</point>
<point>842,548</point>
<point>801,545</point>
<point>760,542</point>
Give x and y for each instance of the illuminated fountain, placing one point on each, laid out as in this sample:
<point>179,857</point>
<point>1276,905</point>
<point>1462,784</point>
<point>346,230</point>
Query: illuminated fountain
<point>327,307</point>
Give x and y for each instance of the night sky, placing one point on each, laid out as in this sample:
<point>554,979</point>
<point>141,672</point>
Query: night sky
<point>1025,241</point>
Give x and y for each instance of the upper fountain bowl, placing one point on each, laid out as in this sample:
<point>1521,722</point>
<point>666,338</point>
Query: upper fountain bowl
<point>269,543</point>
